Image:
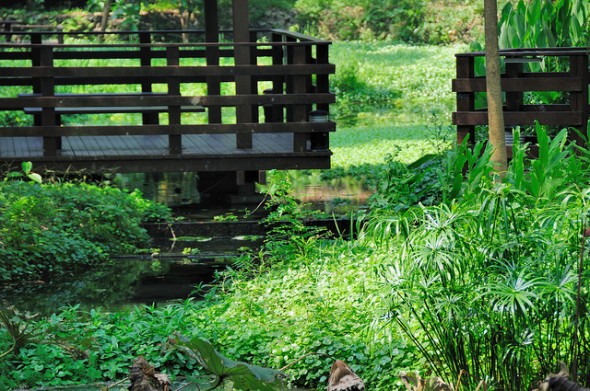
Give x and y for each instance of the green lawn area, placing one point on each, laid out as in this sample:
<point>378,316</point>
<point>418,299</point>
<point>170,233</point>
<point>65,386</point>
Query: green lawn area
<point>391,96</point>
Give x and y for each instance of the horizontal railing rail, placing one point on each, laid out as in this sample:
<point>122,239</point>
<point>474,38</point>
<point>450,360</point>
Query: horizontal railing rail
<point>279,89</point>
<point>523,75</point>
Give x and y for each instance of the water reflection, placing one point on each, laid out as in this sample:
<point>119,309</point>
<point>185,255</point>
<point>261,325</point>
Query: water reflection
<point>168,188</point>
<point>341,196</point>
<point>115,285</point>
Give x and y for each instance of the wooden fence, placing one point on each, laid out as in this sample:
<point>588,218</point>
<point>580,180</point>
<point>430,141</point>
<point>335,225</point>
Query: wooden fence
<point>218,106</point>
<point>523,76</point>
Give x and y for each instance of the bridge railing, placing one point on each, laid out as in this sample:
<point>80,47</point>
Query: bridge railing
<point>523,76</point>
<point>278,85</point>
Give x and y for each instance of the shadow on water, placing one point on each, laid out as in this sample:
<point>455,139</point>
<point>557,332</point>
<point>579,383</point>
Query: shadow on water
<point>119,284</point>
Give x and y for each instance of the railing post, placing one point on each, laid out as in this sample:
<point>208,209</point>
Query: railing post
<point>300,112</point>
<point>145,58</point>
<point>174,140</point>
<point>514,99</point>
<point>465,100</point>
<point>212,54</point>
<point>278,82</point>
<point>254,86</point>
<point>321,140</point>
<point>579,100</point>
<point>243,82</point>
<point>45,86</point>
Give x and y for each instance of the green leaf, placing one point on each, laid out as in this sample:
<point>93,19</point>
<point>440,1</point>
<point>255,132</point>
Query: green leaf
<point>27,167</point>
<point>534,14</point>
<point>208,357</point>
<point>35,177</point>
<point>244,376</point>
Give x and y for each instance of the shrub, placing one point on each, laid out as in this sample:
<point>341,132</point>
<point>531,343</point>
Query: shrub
<point>47,229</point>
<point>486,281</point>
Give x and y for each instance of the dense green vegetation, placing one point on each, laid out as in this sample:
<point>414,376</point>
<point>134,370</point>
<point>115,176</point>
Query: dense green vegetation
<point>48,229</point>
<point>447,272</point>
<point>484,278</point>
<point>430,22</point>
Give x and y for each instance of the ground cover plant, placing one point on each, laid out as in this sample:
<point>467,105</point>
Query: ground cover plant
<point>485,280</point>
<point>464,274</point>
<point>333,322</point>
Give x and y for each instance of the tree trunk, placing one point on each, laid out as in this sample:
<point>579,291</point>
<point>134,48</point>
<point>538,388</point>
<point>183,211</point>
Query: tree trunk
<point>105,16</point>
<point>494,90</point>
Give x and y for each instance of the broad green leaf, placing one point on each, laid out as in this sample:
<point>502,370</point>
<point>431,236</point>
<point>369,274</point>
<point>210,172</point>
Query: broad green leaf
<point>244,376</point>
<point>27,167</point>
<point>534,14</point>
<point>209,358</point>
<point>520,25</point>
<point>576,31</point>
<point>35,177</point>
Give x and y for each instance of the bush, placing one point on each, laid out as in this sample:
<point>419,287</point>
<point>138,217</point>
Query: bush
<point>492,270</point>
<point>47,229</point>
<point>400,21</point>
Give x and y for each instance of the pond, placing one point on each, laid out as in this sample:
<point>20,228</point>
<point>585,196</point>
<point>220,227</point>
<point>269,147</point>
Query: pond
<point>118,284</point>
<point>200,247</point>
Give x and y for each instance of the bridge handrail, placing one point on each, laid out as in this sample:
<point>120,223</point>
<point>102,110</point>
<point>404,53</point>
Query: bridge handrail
<point>520,77</point>
<point>298,75</point>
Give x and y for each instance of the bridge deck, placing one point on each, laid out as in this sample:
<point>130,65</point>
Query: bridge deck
<point>149,153</point>
<point>198,106</point>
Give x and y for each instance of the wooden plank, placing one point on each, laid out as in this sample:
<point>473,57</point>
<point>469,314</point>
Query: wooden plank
<point>160,72</point>
<point>89,130</point>
<point>114,109</point>
<point>191,103</point>
<point>191,164</point>
<point>212,56</point>
<point>569,118</point>
<point>174,140</point>
<point>242,56</point>
<point>80,149</point>
<point>520,84</point>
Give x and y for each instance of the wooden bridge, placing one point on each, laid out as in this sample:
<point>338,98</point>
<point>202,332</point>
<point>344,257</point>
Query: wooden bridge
<point>155,101</point>
<point>523,75</point>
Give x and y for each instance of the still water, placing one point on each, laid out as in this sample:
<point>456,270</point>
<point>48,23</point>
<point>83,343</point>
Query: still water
<point>127,281</point>
<point>119,284</point>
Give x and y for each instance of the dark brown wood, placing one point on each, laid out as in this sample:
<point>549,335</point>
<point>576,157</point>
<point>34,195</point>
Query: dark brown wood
<point>567,118</point>
<point>125,100</point>
<point>160,73</point>
<point>517,84</point>
<point>152,79</point>
<point>206,153</point>
<point>213,54</point>
<point>134,130</point>
<point>574,113</point>
<point>465,100</point>
<point>174,140</point>
<point>242,57</point>
<point>579,99</point>
<point>145,60</point>
<point>300,112</point>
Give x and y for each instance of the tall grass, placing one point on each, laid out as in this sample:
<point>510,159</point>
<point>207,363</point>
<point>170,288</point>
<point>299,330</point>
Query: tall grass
<point>492,280</point>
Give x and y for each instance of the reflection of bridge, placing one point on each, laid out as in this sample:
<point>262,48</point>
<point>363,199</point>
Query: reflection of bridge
<point>523,73</point>
<point>259,102</point>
